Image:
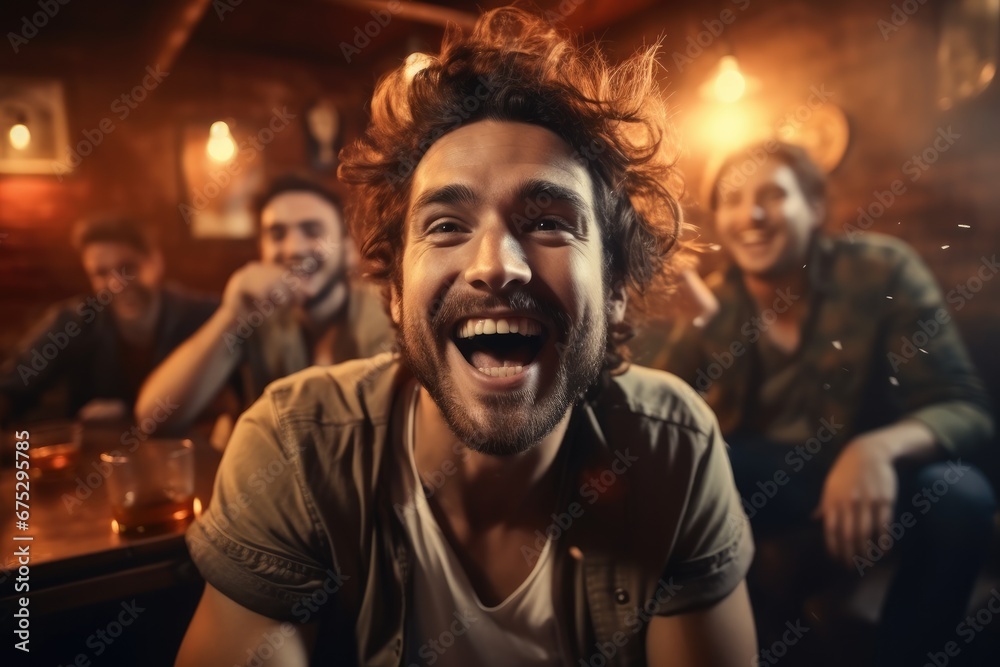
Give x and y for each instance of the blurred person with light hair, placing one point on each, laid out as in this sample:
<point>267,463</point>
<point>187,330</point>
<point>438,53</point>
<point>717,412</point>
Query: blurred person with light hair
<point>848,400</point>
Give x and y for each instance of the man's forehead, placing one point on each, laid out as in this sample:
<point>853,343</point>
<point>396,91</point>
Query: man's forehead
<point>101,252</point>
<point>297,206</point>
<point>737,177</point>
<point>489,155</point>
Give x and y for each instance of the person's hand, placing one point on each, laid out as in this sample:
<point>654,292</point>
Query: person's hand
<point>103,410</point>
<point>258,282</point>
<point>858,498</point>
<point>693,299</point>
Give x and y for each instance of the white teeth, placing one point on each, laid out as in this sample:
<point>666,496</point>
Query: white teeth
<point>754,236</point>
<point>486,327</point>
<point>501,372</point>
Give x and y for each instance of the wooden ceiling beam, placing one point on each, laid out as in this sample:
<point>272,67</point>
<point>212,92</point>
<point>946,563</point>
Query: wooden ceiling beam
<point>171,30</point>
<point>416,12</point>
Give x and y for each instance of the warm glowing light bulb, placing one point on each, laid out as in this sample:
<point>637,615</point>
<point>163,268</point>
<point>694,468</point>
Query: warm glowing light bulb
<point>20,136</point>
<point>221,146</point>
<point>729,83</point>
<point>724,126</point>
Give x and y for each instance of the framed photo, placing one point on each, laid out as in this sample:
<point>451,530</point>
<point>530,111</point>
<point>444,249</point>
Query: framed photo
<point>223,167</point>
<point>34,138</point>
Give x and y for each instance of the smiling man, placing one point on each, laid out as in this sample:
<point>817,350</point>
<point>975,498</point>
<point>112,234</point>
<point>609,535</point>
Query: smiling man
<point>293,308</point>
<point>507,491</point>
<point>838,434</point>
<point>101,346</point>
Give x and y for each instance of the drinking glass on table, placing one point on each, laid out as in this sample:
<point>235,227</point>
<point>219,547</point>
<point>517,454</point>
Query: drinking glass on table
<point>152,487</point>
<point>55,449</point>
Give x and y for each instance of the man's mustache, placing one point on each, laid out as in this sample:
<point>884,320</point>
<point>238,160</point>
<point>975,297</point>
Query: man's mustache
<point>303,266</point>
<point>453,307</point>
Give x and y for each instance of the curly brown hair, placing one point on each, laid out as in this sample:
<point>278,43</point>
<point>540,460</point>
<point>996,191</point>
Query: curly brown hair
<point>516,67</point>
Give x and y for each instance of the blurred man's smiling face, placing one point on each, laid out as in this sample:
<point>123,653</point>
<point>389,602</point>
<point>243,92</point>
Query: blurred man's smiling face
<point>766,224</point>
<point>133,277</point>
<point>305,233</point>
<point>503,317</point>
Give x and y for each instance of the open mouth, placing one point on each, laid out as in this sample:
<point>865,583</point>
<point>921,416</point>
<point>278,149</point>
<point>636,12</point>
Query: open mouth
<point>755,237</point>
<point>500,347</point>
<point>305,267</point>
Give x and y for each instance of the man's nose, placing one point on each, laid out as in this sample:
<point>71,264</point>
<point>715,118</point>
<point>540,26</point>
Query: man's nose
<point>499,262</point>
<point>295,245</point>
<point>757,213</point>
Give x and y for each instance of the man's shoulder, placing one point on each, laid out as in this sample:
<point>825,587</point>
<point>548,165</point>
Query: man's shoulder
<point>369,320</point>
<point>660,396</point>
<point>82,310</point>
<point>182,297</point>
<point>345,393</point>
<point>187,309</point>
<point>872,249</point>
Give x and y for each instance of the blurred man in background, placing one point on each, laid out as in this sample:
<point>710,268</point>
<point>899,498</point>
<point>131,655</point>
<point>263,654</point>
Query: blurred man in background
<point>103,346</point>
<point>845,393</point>
<point>293,308</point>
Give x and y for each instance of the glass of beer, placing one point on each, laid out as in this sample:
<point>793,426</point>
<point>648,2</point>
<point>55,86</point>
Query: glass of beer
<point>151,489</point>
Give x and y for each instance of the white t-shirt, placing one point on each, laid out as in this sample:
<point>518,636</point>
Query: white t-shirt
<point>446,623</point>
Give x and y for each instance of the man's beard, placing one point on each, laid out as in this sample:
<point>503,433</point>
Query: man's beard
<point>141,300</point>
<point>332,281</point>
<point>517,420</point>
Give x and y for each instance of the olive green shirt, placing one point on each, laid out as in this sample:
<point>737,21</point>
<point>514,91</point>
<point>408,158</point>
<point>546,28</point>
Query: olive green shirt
<point>877,346</point>
<point>279,348</point>
<point>301,528</point>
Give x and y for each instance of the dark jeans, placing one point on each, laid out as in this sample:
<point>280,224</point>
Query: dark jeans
<point>942,522</point>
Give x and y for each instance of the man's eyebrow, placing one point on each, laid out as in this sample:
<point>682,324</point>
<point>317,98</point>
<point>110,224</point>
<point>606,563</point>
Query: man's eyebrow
<point>447,194</point>
<point>305,222</point>
<point>534,190</point>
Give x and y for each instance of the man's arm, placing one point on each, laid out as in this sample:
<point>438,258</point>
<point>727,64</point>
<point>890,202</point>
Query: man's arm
<point>27,374</point>
<point>693,306</point>
<point>860,490</point>
<point>719,636</point>
<point>945,414</point>
<point>195,372</point>
<point>223,632</point>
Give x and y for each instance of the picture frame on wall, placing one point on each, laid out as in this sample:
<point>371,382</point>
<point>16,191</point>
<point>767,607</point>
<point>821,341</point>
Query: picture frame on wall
<point>34,136</point>
<point>221,172</point>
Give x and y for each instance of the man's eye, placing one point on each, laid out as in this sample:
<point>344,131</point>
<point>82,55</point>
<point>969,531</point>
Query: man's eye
<point>444,228</point>
<point>731,199</point>
<point>772,196</point>
<point>547,225</point>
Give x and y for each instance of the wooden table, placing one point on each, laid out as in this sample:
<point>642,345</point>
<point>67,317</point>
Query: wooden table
<point>76,557</point>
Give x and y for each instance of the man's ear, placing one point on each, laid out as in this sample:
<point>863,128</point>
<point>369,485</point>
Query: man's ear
<point>617,301</point>
<point>394,308</point>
